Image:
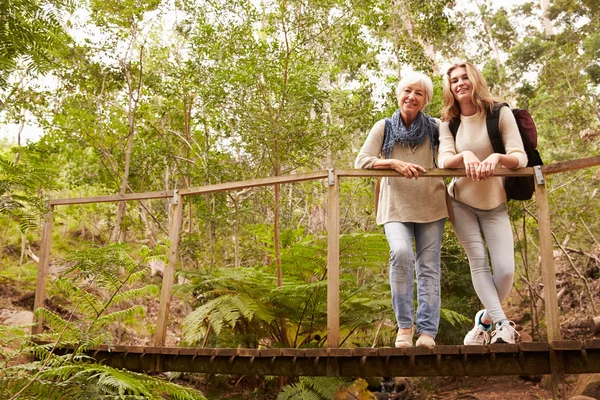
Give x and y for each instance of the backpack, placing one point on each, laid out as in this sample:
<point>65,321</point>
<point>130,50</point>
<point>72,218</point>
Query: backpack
<point>517,187</point>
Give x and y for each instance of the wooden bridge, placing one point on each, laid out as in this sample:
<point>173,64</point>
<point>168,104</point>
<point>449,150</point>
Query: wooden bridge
<point>555,357</point>
<point>498,359</point>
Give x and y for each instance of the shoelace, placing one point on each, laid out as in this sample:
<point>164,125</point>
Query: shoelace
<point>508,325</point>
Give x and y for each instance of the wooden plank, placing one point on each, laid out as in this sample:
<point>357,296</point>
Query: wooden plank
<point>333,261</point>
<point>160,335</point>
<point>44,262</point>
<point>534,346</point>
<point>446,349</point>
<point>432,172</point>
<point>550,298</point>
<point>592,344</point>
<point>571,165</point>
<point>248,352</point>
<point>474,349</point>
<point>366,352</point>
<point>112,198</point>
<point>566,345</point>
<point>504,348</point>
<point>222,187</point>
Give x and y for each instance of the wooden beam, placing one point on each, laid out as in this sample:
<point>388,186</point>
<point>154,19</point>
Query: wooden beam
<point>113,198</point>
<point>160,336</point>
<point>550,296</point>
<point>44,262</point>
<point>333,261</point>
<point>571,165</point>
<point>222,187</point>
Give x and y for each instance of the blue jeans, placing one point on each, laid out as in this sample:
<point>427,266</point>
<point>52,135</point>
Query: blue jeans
<point>475,229</point>
<point>428,238</point>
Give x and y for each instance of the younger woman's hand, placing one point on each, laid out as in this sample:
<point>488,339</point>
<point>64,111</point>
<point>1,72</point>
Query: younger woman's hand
<point>471,164</point>
<point>409,170</point>
<point>487,167</point>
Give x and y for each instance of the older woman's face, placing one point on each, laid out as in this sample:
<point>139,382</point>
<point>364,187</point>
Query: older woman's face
<point>412,99</point>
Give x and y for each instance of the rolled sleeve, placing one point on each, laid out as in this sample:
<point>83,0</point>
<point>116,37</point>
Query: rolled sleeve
<point>371,149</point>
<point>447,147</point>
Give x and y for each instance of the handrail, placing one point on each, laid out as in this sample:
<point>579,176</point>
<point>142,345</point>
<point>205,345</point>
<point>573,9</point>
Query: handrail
<point>221,187</point>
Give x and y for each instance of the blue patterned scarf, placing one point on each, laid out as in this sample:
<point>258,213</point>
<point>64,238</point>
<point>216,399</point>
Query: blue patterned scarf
<point>395,132</point>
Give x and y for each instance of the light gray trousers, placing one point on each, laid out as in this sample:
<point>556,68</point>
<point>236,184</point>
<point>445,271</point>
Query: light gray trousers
<point>475,228</point>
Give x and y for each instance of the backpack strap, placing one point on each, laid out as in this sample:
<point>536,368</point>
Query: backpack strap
<point>493,127</point>
<point>453,125</point>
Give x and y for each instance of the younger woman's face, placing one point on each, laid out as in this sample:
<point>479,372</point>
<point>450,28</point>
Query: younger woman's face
<point>460,85</point>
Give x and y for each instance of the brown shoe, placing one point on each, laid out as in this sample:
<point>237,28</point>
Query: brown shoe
<point>425,341</point>
<point>403,338</point>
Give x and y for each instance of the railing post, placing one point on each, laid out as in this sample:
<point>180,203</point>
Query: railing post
<point>160,335</point>
<point>42,278</point>
<point>549,278</point>
<point>333,261</point>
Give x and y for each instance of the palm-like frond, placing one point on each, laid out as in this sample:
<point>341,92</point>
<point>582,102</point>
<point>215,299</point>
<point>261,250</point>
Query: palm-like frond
<point>76,377</point>
<point>129,295</point>
<point>224,311</point>
<point>311,388</point>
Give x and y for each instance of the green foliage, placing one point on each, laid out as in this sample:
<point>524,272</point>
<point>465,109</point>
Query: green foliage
<point>30,31</point>
<point>57,377</point>
<point>97,284</point>
<point>18,185</point>
<point>311,388</point>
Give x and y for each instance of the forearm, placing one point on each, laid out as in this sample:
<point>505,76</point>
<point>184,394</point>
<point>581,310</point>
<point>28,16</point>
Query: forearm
<point>508,161</point>
<point>455,161</point>
<point>388,163</point>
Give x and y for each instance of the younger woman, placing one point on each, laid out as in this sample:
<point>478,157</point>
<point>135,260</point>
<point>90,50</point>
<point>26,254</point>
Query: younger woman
<point>479,199</point>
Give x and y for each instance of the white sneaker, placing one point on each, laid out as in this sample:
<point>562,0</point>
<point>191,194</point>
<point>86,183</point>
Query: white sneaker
<point>404,339</point>
<point>505,332</point>
<point>478,335</point>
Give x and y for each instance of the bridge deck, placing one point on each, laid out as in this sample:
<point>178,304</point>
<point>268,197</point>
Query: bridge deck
<point>498,359</point>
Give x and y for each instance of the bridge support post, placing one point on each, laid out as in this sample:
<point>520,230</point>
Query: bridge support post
<point>333,261</point>
<point>549,278</point>
<point>44,262</point>
<point>160,335</point>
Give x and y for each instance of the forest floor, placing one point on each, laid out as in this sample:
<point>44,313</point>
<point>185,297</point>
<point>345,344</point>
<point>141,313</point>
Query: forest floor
<point>579,301</point>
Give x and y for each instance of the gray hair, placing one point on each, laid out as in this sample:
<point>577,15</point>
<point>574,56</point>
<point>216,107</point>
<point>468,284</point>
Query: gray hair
<point>416,77</point>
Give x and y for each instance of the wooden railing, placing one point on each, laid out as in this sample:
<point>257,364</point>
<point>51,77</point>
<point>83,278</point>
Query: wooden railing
<point>333,207</point>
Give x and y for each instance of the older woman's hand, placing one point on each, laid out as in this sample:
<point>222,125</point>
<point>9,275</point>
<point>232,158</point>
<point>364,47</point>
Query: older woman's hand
<point>409,170</point>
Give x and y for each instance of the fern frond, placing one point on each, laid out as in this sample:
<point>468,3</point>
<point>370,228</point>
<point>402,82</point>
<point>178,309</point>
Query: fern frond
<point>150,290</point>
<point>135,311</point>
<point>453,317</point>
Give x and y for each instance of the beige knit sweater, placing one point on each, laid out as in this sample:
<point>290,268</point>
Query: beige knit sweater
<point>400,199</point>
<point>472,135</point>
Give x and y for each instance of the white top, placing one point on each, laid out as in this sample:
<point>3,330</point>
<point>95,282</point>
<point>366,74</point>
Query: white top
<point>472,135</point>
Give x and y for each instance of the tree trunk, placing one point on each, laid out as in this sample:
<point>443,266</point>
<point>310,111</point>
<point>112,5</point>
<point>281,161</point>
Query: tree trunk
<point>548,26</point>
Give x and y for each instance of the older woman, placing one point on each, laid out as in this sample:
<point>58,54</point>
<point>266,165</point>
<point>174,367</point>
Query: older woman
<point>410,209</point>
<point>479,199</point>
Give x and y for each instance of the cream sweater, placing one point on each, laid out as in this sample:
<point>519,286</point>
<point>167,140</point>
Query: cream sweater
<point>472,135</point>
<point>400,199</point>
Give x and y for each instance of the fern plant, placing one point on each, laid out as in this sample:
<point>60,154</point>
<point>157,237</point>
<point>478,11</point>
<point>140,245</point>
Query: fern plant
<point>248,303</point>
<point>99,285</point>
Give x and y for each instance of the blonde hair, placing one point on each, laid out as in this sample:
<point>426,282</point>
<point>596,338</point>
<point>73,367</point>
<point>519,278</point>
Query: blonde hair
<point>422,80</point>
<point>480,96</point>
